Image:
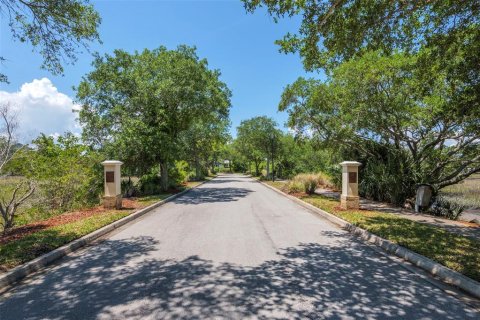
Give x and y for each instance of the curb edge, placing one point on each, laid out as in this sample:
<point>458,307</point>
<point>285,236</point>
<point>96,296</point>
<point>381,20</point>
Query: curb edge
<point>18,273</point>
<point>447,275</point>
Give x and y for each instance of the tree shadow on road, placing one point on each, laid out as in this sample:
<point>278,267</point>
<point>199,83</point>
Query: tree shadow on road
<point>307,281</point>
<point>209,195</point>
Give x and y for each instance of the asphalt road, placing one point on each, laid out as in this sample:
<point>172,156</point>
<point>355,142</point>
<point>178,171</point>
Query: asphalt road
<point>230,249</point>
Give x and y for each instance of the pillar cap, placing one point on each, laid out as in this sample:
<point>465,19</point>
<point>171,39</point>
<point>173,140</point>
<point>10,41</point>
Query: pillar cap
<point>112,162</point>
<point>350,164</point>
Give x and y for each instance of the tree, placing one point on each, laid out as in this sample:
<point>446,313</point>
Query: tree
<point>67,172</point>
<point>446,33</point>
<point>10,201</point>
<point>382,109</point>
<point>257,139</point>
<point>57,28</point>
<point>141,103</point>
<point>201,142</point>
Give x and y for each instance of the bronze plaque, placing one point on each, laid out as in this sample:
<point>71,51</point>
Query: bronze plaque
<point>352,177</point>
<point>110,176</point>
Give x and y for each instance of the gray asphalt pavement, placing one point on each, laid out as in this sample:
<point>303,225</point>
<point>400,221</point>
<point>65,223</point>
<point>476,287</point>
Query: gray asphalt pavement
<point>231,249</point>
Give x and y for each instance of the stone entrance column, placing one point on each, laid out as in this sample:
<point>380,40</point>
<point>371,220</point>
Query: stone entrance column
<point>112,178</point>
<point>349,198</point>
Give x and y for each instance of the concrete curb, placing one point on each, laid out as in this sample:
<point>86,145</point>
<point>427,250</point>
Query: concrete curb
<point>20,272</point>
<point>445,274</point>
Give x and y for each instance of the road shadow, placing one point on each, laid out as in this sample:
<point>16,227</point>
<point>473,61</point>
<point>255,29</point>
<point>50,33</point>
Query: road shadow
<point>212,194</point>
<point>307,281</point>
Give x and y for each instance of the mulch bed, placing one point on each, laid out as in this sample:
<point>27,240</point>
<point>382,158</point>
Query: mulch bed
<point>22,231</point>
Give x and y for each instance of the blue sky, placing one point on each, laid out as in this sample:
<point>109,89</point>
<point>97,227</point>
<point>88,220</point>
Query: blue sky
<point>241,45</point>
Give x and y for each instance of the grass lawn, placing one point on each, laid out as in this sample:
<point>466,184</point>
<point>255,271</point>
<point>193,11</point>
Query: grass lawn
<point>456,252</point>
<point>32,245</point>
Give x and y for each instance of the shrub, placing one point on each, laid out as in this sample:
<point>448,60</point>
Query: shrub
<point>178,174</point>
<point>294,186</point>
<point>67,173</point>
<point>442,207</point>
<point>150,183</point>
<point>129,188</point>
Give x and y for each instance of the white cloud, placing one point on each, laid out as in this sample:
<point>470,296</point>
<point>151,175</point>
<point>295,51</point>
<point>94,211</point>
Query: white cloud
<point>42,108</point>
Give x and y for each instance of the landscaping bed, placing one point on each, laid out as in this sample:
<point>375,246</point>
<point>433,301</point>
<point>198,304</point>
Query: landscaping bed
<point>454,251</point>
<point>26,242</point>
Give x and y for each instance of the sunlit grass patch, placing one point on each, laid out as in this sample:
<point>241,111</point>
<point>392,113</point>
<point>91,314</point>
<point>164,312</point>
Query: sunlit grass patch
<point>453,251</point>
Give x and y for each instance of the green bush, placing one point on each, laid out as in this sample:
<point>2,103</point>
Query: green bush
<point>442,207</point>
<point>178,174</point>
<point>149,184</point>
<point>310,182</point>
<point>129,188</point>
<point>68,174</point>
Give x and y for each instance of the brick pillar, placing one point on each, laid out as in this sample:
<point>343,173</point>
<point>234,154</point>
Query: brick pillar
<point>112,177</point>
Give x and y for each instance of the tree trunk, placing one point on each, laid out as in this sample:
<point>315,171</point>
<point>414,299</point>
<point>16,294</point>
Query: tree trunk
<point>197,169</point>
<point>268,167</point>
<point>257,169</point>
<point>273,168</point>
<point>164,175</point>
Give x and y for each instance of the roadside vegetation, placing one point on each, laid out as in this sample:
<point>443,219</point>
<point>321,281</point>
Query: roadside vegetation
<point>451,250</point>
<point>401,97</point>
<point>466,193</point>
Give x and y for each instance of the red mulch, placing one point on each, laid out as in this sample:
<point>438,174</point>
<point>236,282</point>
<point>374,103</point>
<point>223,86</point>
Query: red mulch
<point>22,231</point>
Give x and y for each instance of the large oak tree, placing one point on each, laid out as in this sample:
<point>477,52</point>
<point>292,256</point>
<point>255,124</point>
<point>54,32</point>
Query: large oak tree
<point>140,104</point>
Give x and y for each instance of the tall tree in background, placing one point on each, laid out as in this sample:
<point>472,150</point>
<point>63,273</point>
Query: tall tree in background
<point>58,29</point>
<point>258,138</point>
<point>201,142</point>
<point>141,103</point>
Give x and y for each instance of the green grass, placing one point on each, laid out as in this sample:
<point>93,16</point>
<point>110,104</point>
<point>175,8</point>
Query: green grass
<point>276,184</point>
<point>466,193</point>
<point>31,246</point>
<point>149,200</point>
<point>453,251</point>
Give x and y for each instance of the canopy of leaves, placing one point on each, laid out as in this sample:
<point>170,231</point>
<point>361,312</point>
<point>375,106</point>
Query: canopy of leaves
<point>382,107</point>
<point>336,30</point>
<point>59,29</point>
<point>138,105</point>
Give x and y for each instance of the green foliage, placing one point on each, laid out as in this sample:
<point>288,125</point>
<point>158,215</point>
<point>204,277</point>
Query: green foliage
<point>381,110</point>
<point>202,143</point>
<point>129,188</point>
<point>445,208</point>
<point>57,28</point>
<point>149,184</point>
<point>68,174</point>
<point>308,182</point>
<point>258,138</point>
<point>33,245</point>
<point>332,32</point>
<point>179,173</point>
<point>139,106</point>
